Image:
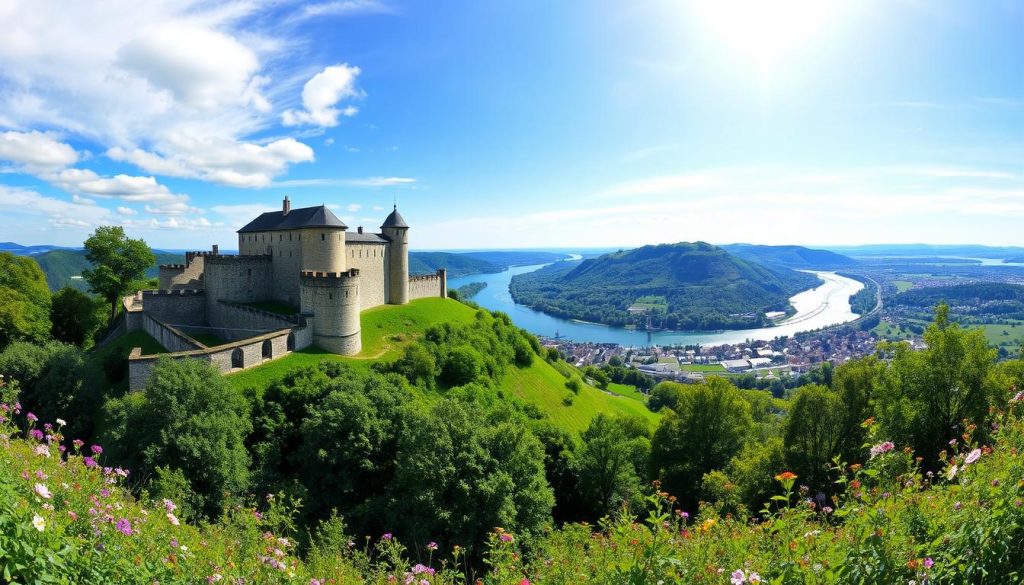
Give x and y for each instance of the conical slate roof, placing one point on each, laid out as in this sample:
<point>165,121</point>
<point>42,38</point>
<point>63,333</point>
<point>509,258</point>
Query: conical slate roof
<point>307,217</point>
<point>394,220</point>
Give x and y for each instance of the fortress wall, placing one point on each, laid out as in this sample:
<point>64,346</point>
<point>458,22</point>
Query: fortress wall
<point>431,285</point>
<point>248,352</point>
<point>242,279</point>
<point>233,322</point>
<point>177,307</point>
<point>167,336</point>
<point>369,259</point>
<point>183,276</point>
<point>286,249</point>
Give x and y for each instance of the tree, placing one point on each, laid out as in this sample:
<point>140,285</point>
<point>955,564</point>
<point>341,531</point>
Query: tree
<point>24,300</point>
<point>708,427</point>
<point>74,316</point>
<point>814,434</point>
<point>854,382</point>
<point>607,464</point>
<point>926,398</point>
<point>189,419</point>
<point>118,261</point>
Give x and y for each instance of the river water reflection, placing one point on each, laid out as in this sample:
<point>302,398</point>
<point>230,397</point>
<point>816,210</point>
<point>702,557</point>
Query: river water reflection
<point>827,304</point>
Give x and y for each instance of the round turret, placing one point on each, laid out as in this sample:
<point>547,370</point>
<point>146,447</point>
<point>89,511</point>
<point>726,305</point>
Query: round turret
<point>333,300</point>
<point>397,232</point>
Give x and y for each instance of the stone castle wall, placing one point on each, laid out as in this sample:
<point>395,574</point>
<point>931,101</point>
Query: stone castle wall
<point>184,276</point>
<point>171,338</point>
<point>430,285</point>
<point>177,307</point>
<point>232,321</point>
<point>369,259</point>
<point>241,279</point>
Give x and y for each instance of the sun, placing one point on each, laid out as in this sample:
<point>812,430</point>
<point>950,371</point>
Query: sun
<point>768,32</point>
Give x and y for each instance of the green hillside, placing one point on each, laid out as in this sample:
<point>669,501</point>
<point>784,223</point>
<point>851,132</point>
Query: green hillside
<point>675,286</point>
<point>455,264</point>
<point>60,266</point>
<point>388,329</point>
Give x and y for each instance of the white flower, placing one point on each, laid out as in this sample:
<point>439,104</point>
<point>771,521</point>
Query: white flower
<point>952,472</point>
<point>172,519</point>
<point>39,523</point>
<point>972,457</point>
<point>42,450</point>
<point>43,491</point>
<point>61,422</point>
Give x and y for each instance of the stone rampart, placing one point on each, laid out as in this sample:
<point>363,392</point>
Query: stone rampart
<point>234,321</point>
<point>187,276</point>
<point>179,307</point>
<point>171,338</point>
<point>240,279</point>
<point>429,285</point>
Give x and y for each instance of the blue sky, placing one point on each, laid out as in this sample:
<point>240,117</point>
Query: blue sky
<point>517,124</point>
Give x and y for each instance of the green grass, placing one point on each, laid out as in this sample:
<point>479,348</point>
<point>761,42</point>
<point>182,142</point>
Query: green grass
<point>999,334</point>
<point>902,285</point>
<point>274,307</point>
<point>542,385</point>
<point>208,339</point>
<point>703,367</point>
<point>126,342</point>
<point>627,391</point>
<point>385,331</point>
<point>388,328</point>
<point>668,360</point>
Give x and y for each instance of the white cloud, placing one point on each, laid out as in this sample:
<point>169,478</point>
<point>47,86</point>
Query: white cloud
<point>125,187</point>
<point>354,207</point>
<point>220,161</point>
<point>82,200</point>
<point>238,215</point>
<point>126,211</point>
<point>344,8</point>
<point>364,182</point>
<point>171,223</point>
<point>35,151</point>
<point>58,212</point>
<point>322,93</point>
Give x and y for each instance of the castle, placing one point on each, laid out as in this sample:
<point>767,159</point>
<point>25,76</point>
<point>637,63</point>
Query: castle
<point>300,278</point>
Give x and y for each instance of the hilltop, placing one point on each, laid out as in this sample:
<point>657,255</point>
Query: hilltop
<point>796,257</point>
<point>681,286</point>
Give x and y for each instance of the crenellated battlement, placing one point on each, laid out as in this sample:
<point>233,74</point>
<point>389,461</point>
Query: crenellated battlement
<point>317,274</point>
<point>172,293</point>
<point>173,267</point>
<point>221,259</point>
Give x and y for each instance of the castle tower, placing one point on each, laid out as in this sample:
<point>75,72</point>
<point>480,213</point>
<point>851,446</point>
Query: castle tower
<point>397,231</point>
<point>333,300</point>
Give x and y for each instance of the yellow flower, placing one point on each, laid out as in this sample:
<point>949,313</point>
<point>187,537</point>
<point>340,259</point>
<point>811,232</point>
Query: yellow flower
<point>707,524</point>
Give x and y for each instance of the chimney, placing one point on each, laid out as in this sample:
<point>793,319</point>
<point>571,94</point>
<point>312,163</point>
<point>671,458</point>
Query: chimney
<point>216,249</point>
<point>360,229</point>
<point>287,205</point>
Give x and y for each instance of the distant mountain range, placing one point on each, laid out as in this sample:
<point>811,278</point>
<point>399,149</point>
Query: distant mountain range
<point>967,250</point>
<point>674,286</point>
<point>796,257</point>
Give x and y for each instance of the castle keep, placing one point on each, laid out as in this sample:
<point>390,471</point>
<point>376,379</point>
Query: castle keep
<point>304,265</point>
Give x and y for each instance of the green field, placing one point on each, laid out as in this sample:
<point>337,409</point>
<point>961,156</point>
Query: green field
<point>627,391</point>
<point>703,367</point>
<point>902,285</point>
<point>126,342</point>
<point>668,360</point>
<point>542,385</point>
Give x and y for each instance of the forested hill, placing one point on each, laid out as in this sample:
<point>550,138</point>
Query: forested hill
<point>455,264</point>
<point>797,257</point>
<point>60,266</point>
<point>674,286</point>
<point>988,297</point>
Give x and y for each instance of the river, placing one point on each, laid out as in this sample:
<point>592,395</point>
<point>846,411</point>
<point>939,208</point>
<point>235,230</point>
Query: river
<point>827,304</point>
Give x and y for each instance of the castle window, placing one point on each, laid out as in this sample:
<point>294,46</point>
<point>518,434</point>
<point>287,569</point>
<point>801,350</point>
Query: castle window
<point>280,237</point>
<point>249,271</point>
<point>289,236</point>
<point>322,237</point>
<point>330,296</point>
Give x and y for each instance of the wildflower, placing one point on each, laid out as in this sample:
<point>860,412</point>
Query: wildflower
<point>882,448</point>
<point>738,577</point>
<point>928,562</point>
<point>957,506</point>
<point>36,434</point>
<point>952,472</point>
<point>387,536</point>
<point>42,450</point>
<point>124,527</point>
<point>972,457</point>
<point>61,422</point>
<point>96,449</point>
<point>38,522</point>
<point>43,492</point>
<point>214,578</point>
<point>172,519</point>
<point>31,417</point>
<point>78,443</point>
<point>73,515</point>
<point>315,582</point>
<point>174,543</point>
<point>431,545</point>
<point>89,462</point>
<point>525,581</point>
<point>753,578</point>
<point>785,476</point>
<point>105,493</point>
<point>506,537</point>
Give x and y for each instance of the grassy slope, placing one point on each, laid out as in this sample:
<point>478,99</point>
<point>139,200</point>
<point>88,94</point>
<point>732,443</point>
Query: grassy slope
<point>387,329</point>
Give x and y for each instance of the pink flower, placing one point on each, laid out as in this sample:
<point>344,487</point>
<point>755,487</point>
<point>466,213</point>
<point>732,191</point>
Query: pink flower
<point>928,562</point>
<point>431,545</point>
<point>96,449</point>
<point>43,491</point>
<point>172,519</point>
<point>506,537</point>
<point>124,527</point>
<point>78,443</point>
<point>169,505</point>
<point>36,434</point>
<point>31,417</point>
<point>972,457</point>
<point>738,577</point>
<point>387,536</point>
<point>89,462</point>
<point>882,448</point>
